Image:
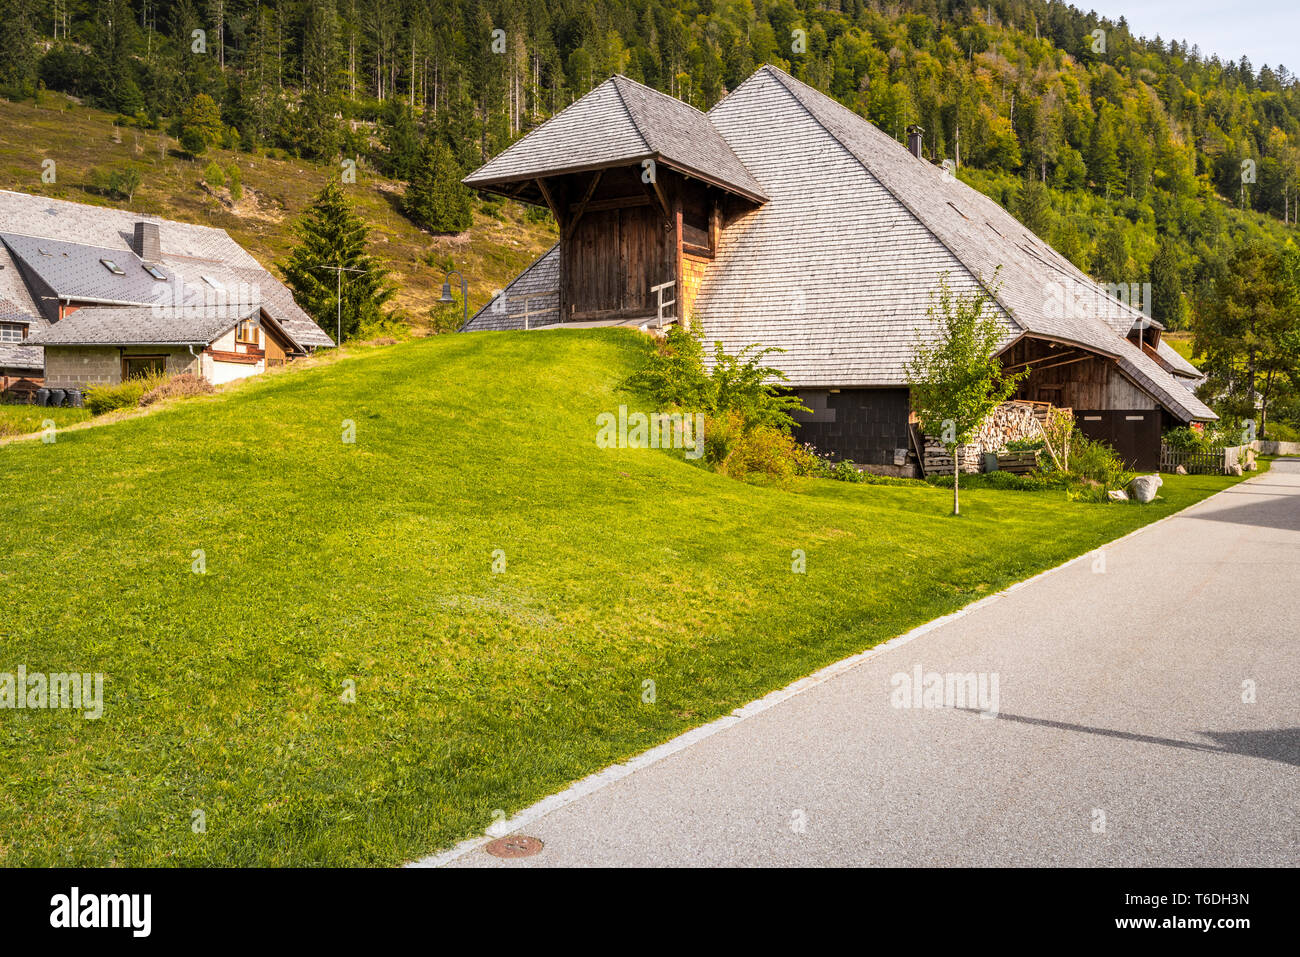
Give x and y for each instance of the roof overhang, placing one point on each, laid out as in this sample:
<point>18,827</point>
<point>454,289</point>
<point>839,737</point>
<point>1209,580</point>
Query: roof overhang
<point>499,185</point>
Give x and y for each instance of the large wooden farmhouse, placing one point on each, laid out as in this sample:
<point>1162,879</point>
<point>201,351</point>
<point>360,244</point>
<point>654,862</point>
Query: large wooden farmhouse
<point>93,296</point>
<point>781,217</point>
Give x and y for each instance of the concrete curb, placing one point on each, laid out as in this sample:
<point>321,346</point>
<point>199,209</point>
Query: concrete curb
<point>617,772</point>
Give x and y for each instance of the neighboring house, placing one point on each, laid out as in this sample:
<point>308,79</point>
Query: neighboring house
<point>783,218</point>
<point>92,296</point>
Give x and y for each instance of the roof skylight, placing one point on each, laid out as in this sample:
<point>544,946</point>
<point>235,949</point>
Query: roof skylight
<point>113,267</point>
<point>155,272</point>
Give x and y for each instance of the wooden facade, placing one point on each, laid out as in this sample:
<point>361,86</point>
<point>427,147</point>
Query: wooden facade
<point>1071,377</point>
<point>626,230</point>
<point>1107,405</point>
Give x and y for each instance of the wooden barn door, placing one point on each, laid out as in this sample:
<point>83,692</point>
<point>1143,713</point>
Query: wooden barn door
<point>1133,433</point>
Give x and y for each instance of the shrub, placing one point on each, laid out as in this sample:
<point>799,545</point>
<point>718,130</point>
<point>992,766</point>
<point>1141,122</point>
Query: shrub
<point>750,453</point>
<point>676,378</point>
<point>109,398</point>
<point>235,182</point>
<point>1185,440</point>
<point>1026,445</point>
<point>185,384</point>
<point>1282,432</point>
<point>1097,462</point>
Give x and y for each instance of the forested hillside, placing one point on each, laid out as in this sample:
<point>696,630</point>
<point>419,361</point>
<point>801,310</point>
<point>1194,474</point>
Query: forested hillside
<point>1140,159</point>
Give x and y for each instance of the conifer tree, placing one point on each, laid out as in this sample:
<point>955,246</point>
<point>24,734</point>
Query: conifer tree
<point>332,238</point>
<point>435,198</point>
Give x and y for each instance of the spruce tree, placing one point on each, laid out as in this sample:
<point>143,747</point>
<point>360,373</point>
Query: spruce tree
<point>18,48</point>
<point>332,235</point>
<point>435,198</point>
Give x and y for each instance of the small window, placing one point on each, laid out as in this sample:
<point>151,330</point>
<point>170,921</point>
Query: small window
<point>11,332</point>
<point>155,272</point>
<point>246,332</point>
<point>215,284</point>
<point>135,367</point>
<point>113,267</point>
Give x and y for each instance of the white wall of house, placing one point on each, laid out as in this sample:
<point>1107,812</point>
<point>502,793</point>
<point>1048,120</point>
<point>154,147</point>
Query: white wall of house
<point>218,372</point>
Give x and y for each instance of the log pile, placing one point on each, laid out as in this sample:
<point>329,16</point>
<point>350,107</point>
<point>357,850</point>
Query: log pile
<point>1009,422</point>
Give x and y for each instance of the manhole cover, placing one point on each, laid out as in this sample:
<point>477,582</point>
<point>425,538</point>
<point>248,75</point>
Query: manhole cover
<point>516,845</point>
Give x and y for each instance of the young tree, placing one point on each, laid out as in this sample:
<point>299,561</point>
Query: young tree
<point>956,378</point>
<point>331,255</point>
<point>435,199</point>
<point>200,125</point>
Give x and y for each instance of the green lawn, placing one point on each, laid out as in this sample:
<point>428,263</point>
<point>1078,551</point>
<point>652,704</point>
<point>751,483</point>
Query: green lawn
<point>27,419</point>
<point>372,562</point>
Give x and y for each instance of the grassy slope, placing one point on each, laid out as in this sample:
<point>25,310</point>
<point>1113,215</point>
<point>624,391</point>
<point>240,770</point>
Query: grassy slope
<point>372,561</point>
<point>78,138</point>
<point>1182,344</point>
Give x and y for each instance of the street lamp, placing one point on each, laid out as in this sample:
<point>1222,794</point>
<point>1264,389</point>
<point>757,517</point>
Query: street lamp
<point>447,297</point>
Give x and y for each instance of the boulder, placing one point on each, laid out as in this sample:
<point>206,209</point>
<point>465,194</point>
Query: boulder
<point>1234,470</point>
<point>1144,487</point>
<point>1117,495</point>
<point>1181,470</point>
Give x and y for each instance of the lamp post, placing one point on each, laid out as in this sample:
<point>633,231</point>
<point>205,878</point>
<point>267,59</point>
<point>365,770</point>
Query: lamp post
<point>447,298</point>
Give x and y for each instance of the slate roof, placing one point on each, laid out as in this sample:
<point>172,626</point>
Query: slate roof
<point>27,358</point>
<point>144,325</point>
<point>61,243</point>
<point>540,283</point>
<point>1177,364</point>
<point>620,123</point>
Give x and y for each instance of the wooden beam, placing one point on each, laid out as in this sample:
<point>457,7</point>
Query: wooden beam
<point>561,299</point>
<point>1069,362</point>
<point>618,202</point>
<point>1030,362</point>
<point>657,195</point>
<point>680,289</point>
<point>582,206</point>
<point>550,200</point>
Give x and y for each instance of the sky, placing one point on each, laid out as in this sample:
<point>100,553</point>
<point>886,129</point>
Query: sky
<point>1266,31</point>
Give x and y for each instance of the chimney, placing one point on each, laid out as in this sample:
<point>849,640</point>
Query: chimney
<point>146,244</point>
<point>914,134</point>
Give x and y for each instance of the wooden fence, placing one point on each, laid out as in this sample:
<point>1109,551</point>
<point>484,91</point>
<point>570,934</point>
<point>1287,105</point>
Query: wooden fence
<point>1218,461</point>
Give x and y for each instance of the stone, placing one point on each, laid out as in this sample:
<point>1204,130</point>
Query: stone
<point>900,456</point>
<point>1117,495</point>
<point>1181,470</point>
<point>1234,470</point>
<point>1144,487</point>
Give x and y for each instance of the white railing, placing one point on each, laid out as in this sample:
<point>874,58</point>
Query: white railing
<point>529,311</point>
<point>660,305</point>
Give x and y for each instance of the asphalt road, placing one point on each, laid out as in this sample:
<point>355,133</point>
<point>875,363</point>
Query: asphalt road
<point>1121,735</point>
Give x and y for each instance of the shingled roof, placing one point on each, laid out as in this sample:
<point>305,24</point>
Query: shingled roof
<point>58,248</point>
<point>535,291</point>
<point>621,123</point>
